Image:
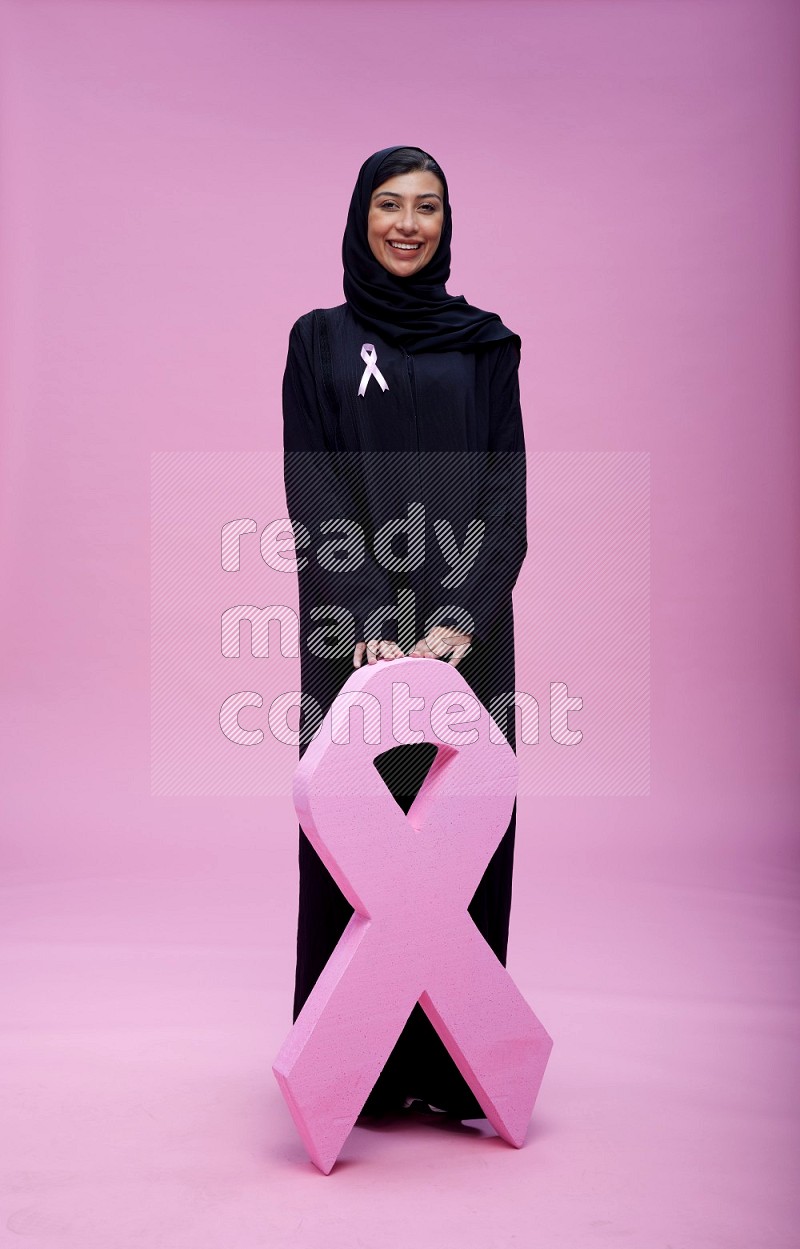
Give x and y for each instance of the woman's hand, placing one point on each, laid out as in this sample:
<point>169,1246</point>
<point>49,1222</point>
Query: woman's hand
<point>442,641</point>
<point>376,648</point>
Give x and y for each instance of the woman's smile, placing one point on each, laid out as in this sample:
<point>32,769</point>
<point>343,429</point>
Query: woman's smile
<point>404,251</point>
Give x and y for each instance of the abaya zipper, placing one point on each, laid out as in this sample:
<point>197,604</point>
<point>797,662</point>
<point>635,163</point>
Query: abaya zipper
<point>413,385</point>
<point>413,380</point>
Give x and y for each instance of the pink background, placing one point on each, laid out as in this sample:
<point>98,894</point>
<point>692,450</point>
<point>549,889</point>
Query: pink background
<point>174,185</point>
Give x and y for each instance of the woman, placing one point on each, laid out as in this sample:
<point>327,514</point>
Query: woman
<point>398,406</point>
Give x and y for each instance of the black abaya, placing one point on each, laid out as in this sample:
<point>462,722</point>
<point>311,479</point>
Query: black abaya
<point>446,433</point>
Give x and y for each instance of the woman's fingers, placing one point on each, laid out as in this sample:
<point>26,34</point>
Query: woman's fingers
<point>428,646</point>
<point>436,645</point>
<point>375,648</point>
<point>441,642</point>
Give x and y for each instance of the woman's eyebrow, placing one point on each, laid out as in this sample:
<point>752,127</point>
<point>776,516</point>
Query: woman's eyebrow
<point>394,195</point>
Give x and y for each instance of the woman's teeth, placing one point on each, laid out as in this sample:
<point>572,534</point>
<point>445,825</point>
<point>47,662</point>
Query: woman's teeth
<point>405,247</point>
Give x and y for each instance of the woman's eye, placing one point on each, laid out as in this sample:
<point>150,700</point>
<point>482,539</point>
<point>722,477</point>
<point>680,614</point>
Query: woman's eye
<point>391,204</point>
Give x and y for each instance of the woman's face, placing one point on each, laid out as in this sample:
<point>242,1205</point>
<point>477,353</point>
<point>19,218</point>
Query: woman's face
<point>406,209</point>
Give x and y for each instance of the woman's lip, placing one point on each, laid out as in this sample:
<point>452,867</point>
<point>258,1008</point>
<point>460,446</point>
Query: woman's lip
<point>411,250</point>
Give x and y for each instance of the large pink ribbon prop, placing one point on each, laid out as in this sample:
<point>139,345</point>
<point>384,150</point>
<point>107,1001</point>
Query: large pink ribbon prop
<point>410,879</point>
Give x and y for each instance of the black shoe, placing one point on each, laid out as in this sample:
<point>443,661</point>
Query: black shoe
<point>419,1106</point>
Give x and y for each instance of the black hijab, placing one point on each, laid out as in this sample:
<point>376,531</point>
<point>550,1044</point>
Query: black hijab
<point>415,312</point>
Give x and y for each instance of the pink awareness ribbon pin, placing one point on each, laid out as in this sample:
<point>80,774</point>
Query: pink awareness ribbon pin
<point>370,357</point>
<point>410,879</point>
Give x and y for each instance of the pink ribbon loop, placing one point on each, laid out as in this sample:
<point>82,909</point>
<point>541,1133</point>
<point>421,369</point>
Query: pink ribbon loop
<point>370,357</point>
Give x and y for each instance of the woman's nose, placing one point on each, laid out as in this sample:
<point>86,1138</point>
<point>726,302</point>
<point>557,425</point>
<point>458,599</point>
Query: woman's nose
<point>406,222</point>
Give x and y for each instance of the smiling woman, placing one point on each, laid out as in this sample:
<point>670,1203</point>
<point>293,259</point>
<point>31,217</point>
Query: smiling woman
<point>405,221</point>
<point>404,402</point>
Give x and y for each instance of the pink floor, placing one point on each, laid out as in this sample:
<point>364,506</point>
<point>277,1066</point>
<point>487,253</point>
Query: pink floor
<point>143,1008</point>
